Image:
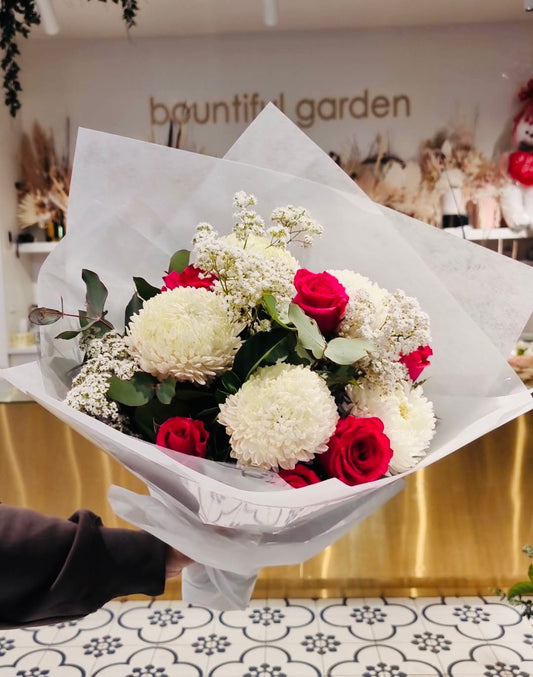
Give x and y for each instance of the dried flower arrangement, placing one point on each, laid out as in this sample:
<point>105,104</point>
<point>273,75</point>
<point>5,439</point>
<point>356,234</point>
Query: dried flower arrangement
<point>451,160</point>
<point>521,361</point>
<point>416,187</point>
<point>44,184</point>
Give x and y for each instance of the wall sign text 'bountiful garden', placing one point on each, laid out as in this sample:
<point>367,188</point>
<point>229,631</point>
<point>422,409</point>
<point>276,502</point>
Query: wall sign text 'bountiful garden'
<point>243,108</point>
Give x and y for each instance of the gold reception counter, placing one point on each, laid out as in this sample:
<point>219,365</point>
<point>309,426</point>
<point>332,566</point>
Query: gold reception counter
<point>457,528</point>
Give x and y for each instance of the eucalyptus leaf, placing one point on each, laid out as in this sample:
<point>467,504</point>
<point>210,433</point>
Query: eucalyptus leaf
<point>302,353</point>
<point>269,304</point>
<point>68,334</point>
<point>165,390</point>
<point>96,295</point>
<point>84,322</point>
<point>308,332</point>
<point>347,350</point>
<point>44,316</point>
<point>134,392</point>
<point>145,289</point>
<point>179,261</point>
<point>134,305</point>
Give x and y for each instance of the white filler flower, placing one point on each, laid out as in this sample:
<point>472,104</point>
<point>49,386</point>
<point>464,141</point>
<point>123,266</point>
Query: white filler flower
<point>184,333</point>
<point>408,420</point>
<point>283,414</point>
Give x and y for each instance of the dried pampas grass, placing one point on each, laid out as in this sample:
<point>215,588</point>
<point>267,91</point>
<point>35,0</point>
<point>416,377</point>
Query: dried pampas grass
<point>44,181</point>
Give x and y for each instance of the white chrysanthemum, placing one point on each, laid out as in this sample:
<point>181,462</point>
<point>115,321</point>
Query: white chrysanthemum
<point>367,308</point>
<point>283,414</point>
<point>184,333</point>
<point>408,420</point>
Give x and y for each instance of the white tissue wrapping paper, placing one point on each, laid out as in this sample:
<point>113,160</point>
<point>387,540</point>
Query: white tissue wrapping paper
<point>132,204</point>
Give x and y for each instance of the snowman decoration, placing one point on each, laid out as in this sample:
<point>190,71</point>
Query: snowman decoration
<point>517,197</point>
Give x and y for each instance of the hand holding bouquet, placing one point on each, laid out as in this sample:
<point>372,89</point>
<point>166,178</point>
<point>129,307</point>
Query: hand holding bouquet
<point>247,367</point>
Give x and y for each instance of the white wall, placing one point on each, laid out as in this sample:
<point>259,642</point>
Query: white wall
<point>15,277</point>
<point>451,75</point>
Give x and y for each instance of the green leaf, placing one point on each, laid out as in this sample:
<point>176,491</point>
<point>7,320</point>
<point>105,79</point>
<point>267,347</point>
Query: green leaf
<point>340,375</point>
<point>84,322</point>
<point>165,390</point>
<point>68,334</point>
<point>96,295</point>
<point>308,331</point>
<point>44,316</point>
<point>347,350</point>
<point>134,305</point>
<point>189,394</point>
<point>149,416</point>
<point>231,382</point>
<point>135,392</point>
<point>269,304</point>
<point>145,289</point>
<point>530,572</point>
<point>256,350</point>
<point>221,395</point>
<point>519,589</point>
<point>179,261</point>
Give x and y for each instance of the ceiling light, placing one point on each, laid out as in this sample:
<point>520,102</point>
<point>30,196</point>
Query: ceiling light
<point>48,17</point>
<point>270,12</point>
<point>528,5</point>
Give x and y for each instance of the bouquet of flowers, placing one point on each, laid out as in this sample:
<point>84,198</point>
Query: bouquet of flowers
<point>244,355</point>
<point>276,365</point>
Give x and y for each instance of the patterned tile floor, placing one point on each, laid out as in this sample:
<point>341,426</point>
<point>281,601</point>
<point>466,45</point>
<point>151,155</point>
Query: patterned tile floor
<point>394,637</point>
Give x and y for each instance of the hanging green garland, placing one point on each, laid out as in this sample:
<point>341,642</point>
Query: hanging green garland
<point>16,19</point>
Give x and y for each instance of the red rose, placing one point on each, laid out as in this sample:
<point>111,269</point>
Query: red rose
<point>190,277</point>
<point>417,361</point>
<point>183,434</point>
<point>358,451</point>
<point>322,297</point>
<point>300,476</point>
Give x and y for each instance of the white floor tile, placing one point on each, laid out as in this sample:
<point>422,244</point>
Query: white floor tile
<point>427,637</point>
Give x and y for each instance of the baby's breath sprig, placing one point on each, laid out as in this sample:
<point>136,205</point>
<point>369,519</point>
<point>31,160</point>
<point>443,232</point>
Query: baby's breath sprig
<point>294,224</point>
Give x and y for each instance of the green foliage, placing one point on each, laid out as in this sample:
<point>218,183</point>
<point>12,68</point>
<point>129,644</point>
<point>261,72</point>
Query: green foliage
<point>347,350</point>
<point>91,320</point>
<point>16,20</point>
<point>134,306</point>
<point>134,392</point>
<point>129,10</point>
<point>516,593</point>
<point>179,261</point>
<point>269,305</point>
<point>309,335</point>
<point>144,289</point>
<point>44,316</point>
<point>259,350</point>
<point>149,416</point>
<point>165,390</point>
<point>96,294</point>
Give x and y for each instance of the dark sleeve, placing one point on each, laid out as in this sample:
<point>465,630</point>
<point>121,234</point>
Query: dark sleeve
<point>52,569</point>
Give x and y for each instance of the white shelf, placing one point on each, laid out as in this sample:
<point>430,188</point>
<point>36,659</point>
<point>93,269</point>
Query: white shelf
<point>36,247</point>
<point>27,350</point>
<point>484,234</point>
